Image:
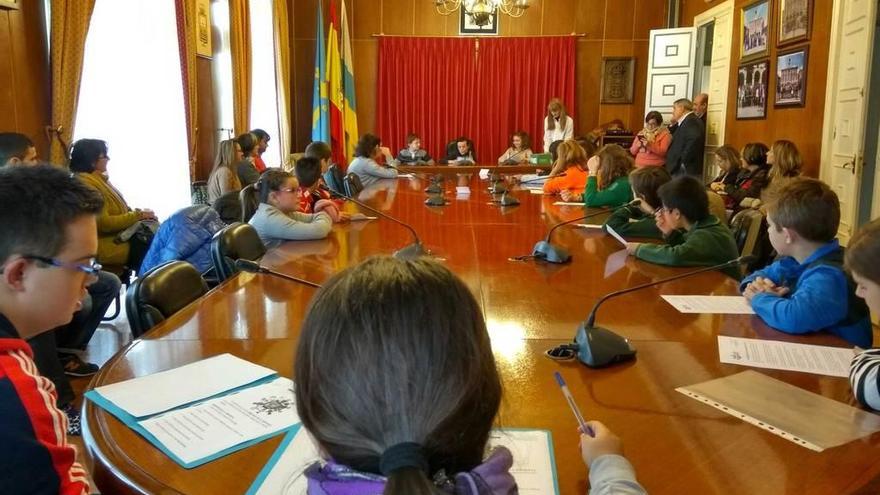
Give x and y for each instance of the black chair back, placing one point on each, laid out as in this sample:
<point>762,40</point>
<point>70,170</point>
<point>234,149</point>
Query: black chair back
<point>249,202</point>
<point>160,293</point>
<point>238,241</point>
<point>228,207</point>
<point>334,178</point>
<point>353,184</point>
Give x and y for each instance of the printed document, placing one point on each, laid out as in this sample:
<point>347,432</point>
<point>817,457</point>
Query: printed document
<point>772,354</point>
<point>731,305</point>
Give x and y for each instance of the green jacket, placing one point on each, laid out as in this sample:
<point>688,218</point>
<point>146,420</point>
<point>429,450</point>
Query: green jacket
<point>633,222</point>
<point>707,243</point>
<point>618,193</point>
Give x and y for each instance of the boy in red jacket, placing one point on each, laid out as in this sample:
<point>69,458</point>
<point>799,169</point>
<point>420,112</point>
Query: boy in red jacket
<point>48,244</point>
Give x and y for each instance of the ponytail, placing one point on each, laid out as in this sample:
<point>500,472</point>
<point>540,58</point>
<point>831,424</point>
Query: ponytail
<point>410,481</point>
<point>406,468</point>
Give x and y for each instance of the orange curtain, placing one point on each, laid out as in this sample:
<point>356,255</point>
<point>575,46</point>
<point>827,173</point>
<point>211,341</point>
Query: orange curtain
<point>282,77</point>
<point>70,24</point>
<point>186,37</point>
<point>240,39</point>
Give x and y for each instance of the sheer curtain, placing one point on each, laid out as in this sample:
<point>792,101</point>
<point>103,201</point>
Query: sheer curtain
<point>264,91</point>
<point>222,71</point>
<point>132,97</point>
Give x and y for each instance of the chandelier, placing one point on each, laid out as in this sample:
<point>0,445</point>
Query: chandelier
<point>481,11</point>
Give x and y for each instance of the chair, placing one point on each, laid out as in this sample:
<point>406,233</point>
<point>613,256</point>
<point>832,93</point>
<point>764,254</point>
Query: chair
<point>238,241</point>
<point>199,192</point>
<point>249,202</point>
<point>747,227</point>
<point>124,273</point>
<point>228,206</point>
<point>160,293</point>
<point>334,178</point>
<point>452,148</point>
<point>353,184</point>
<point>716,206</point>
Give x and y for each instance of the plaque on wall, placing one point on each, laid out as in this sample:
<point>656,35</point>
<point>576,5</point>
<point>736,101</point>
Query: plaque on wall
<point>618,77</point>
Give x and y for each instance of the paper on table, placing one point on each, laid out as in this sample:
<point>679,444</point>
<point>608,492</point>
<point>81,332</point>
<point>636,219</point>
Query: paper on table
<point>589,225</point>
<point>614,234</point>
<point>730,305</point>
<point>772,354</point>
<point>159,392</point>
<point>567,203</point>
<point>484,173</point>
<point>203,430</point>
<point>537,191</point>
<point>358,217</point>
<point>533,464</point>
<point>615,262</point>
<point>405,176</point>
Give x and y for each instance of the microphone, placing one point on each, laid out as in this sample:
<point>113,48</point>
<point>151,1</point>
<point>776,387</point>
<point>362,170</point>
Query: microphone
<point>413,251</point>
<point>254,267</point>
<point>551,253</point>
<point>597,346</point>
<point>510,159</point>
<point>512,201</point>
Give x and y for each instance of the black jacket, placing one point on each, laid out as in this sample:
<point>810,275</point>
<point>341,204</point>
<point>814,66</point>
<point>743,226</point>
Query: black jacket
<point>685,153</point>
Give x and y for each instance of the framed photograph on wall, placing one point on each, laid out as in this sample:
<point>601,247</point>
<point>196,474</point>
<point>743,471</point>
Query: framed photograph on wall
<point>751,90</point>
<point>791,78</point>
<point>203,29</point>
<point>9,4</point>
<point>795,18</point>
<point>618,79</point>
<point>755,30</point>
<point>467,23</point>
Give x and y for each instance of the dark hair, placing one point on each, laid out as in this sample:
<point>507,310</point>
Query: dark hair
<point>588,145</point>
<point>614,162</point>
<point>687,195</point>
<point>319,150</point>
<point>248,142</point>
<point>260,134</point>
<point>85,152</point>
<point>807,206</point>
<point>463,139</point>
<point>395,351</point>
<point>366,145</point>
<point>411,137</point>
<point>270,181</point>
<point>755,154</point>
<point>36,205</point>
<point>646,181</point>
<point>308,171</point>
<point>554,150</point>
<point>13,145</point>
<point>863,252</point>
<point>655,116</point>
<point>524,138</point>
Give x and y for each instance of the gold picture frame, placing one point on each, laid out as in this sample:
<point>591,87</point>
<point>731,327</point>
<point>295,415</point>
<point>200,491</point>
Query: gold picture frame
<point>9,4</point>
<point>754,29</point>
<point>203,29</point>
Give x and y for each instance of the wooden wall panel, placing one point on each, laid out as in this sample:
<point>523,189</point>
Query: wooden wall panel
<point>803,126</point>
<point>590,19</point>
<point>207,115</point>
<point>559,20</point>
<point>619,20</point>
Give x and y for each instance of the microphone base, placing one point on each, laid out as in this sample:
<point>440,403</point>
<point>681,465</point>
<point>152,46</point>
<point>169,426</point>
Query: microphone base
<point>599,347</point>
<point>435,200</point>
<point>498,188</point>
<point>508,200</point>
<point>434,189</point>
<point>411,252</point>
<point>550,253</point>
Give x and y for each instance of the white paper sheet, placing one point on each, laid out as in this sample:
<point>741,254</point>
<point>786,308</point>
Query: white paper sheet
<point>159,392</point>
<point>532,463</point>
<point>567,203</point>
<point>205,429</point>
<point>615,262</point>
<point>359,217</point>
<point>771,354</point>
<point>730,305</point>
<point>539,190</point>
<point>589,226</point>
<point>615,235</point>
<point>405,176</point>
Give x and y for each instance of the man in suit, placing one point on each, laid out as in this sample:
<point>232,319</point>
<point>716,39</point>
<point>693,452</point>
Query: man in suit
<point>701,106</point>
<point>685,153</point>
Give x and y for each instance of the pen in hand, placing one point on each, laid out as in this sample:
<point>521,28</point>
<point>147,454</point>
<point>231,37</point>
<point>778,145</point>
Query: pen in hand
<point>582,425</point>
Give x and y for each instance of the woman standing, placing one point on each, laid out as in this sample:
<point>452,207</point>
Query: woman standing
<point>650,145</point>
<point>558,125</point>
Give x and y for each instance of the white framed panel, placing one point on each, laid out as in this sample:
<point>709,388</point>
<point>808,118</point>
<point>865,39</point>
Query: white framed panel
<point>672,50</point>
<point>666,88</point>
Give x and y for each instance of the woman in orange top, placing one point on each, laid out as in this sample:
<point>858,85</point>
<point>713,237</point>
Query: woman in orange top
<point>572,159</point>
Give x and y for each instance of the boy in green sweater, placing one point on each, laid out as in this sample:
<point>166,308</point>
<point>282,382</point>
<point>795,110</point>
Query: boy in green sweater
<point>704,241</point>
<point>638,220</point>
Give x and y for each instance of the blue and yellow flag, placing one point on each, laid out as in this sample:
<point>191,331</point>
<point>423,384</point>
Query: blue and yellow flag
<point>320,103</point>
<point>349,103</point>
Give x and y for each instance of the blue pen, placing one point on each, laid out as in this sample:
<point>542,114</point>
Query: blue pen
<point>571,403</point>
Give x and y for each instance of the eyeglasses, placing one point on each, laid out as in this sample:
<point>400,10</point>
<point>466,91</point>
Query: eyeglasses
<point>91,269</point>
<point>288,190</point>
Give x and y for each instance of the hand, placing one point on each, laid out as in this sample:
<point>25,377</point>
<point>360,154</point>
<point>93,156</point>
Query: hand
<point>344,217</point>
<point>632,247</point>
<point>385,150</point>
<point>716,186</point>
<point>593,165</point>
<point>603,442</point>
<point>328,207</point>
<point>567,195</point>
<point>146,215</point>
<point>662,224</point>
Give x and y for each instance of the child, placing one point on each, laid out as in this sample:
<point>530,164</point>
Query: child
<point>608,179</point>
<point>862,256</point>
<point>752,177</point>
<point>48,246</point>
<point>638,221</point>
<point>558,125</point>
<point>610,472</point>
<point>572,160</point>
<point>520,150</point>
<point>367,153</point>
<point>704,240</point>
<point>462,154</point>
<point>397,384</point>
<point>308,174</point>
<point>413,154</point>
<point>806,290</point>
<point>278,219</point>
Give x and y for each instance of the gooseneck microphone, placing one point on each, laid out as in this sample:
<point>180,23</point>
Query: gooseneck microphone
<point>551,253</point>
<point>512,201</point>
<point>413,251</point>
<point>597,346</point>
<point>254,267</point>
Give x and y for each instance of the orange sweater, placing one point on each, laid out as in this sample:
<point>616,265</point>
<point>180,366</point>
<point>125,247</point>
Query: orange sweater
<point>575,180</point>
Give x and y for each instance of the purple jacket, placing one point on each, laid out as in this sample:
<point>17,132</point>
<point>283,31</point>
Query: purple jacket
<point>490,478</point>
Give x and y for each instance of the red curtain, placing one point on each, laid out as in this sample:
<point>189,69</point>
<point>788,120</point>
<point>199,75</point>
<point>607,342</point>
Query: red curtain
<point>485,88</point>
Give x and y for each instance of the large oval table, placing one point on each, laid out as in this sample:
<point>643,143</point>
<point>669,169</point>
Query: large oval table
<point>677,444</point>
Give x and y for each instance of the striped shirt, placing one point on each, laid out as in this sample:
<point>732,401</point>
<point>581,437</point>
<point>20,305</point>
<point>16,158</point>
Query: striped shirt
<point>863,374</point>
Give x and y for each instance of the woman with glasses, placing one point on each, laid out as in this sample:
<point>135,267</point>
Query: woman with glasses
<point>650,145</point>
<point>278,218</point>
<point>88,159</point>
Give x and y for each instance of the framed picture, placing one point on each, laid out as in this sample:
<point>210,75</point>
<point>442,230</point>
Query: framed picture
<point>618,75</point>
<point>751,90</point>
<point>795,18</point>
<point>9,4</point>
<point>203,29</point>
<point>467,23</point>
<point>755,30</point>
<point>791,78</point>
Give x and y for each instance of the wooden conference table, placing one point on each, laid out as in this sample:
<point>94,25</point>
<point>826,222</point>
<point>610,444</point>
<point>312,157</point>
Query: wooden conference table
<point>677,444</point>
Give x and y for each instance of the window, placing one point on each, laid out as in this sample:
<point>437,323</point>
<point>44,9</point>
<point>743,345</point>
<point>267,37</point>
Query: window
<point>264,91</point>
<point>131,96</point>
<point>222,70</point>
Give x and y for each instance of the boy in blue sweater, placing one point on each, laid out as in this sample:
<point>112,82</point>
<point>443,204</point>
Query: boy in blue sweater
<point>806,289</point>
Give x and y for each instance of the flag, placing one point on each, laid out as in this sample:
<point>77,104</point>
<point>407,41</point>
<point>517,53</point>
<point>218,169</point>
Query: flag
<point>334,85</point>
<point>320,105</point>
<point>349,105</point>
